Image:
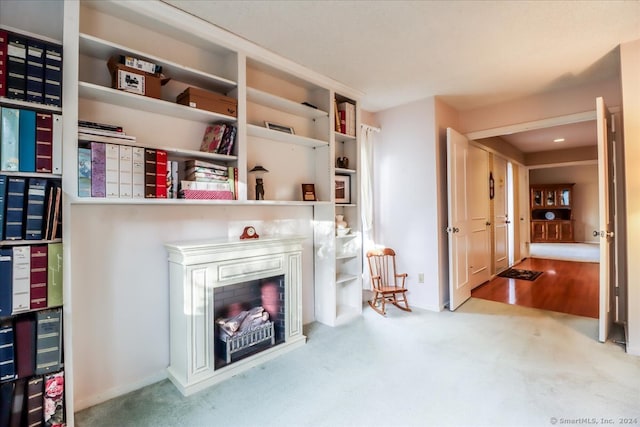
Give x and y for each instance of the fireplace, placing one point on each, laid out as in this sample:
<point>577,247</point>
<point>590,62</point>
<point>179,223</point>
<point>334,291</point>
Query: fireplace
<point>233,305</point>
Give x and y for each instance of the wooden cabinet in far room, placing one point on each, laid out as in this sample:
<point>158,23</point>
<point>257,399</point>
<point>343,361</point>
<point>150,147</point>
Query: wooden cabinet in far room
<point>551,213</point>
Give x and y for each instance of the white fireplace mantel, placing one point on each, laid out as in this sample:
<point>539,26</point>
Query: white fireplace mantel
<point>195,270</point>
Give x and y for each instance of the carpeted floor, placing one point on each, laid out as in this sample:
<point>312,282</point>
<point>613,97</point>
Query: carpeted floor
<point>487,364</point>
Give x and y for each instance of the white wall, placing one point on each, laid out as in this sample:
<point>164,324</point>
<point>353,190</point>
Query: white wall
<point>585,195</point>
<point>406,196</point>
<point>630,69</point>
<point>120,303</point>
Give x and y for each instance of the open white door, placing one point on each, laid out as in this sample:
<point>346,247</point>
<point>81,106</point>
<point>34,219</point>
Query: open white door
<point>500,215</point>
<point>458,218</point>
<point>606,223</point>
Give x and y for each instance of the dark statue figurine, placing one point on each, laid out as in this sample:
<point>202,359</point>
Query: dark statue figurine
<point>259,189</point>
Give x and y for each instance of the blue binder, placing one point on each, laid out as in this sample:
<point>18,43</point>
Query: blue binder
<point>36,191</point>
<point>6,280</point>
<point>27,141</point>
<point>13,224</point>
<point>7,358</point>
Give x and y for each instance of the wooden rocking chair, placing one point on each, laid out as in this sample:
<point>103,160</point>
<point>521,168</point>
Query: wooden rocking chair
<point>388,286</point>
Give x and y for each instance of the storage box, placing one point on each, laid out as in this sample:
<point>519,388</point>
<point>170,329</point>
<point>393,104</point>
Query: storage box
<point>135,81</point>
<point>210,101</point>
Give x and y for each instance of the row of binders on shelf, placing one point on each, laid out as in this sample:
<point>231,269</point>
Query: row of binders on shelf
<point>30,69</point>
<point>34,401</point>
<point>31,369</point>
<point>30,141</point>
<point>110,165</point>
<point>30,208</point>
<point>346,118</point>
<point>30,278</point>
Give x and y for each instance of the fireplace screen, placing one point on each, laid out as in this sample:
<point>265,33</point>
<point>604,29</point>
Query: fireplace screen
<point>249,318</point>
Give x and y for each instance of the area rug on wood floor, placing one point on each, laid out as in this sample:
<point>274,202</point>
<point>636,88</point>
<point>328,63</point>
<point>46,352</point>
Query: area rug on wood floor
<point>514,273</point>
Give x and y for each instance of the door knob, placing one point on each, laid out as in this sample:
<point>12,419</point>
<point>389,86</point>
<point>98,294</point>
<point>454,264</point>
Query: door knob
<point>596,233</point>
<point>507,222</point>
<point>487,223</point>
<point>456,229</point>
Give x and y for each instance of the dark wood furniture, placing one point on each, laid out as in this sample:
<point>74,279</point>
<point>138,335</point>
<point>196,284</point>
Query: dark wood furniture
<point>551,213</point>
<point>387,284</point>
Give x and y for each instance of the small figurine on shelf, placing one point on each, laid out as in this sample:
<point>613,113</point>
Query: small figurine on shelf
<point>341,226</point>
<point>342,162</point>
<point>259,171</point>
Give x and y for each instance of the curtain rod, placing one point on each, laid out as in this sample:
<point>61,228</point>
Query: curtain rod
<point>368,127</point>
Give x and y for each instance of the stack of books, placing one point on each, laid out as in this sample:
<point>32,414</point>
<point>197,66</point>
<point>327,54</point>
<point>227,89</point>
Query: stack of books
<point>208,180</point>
<point>347,113</point>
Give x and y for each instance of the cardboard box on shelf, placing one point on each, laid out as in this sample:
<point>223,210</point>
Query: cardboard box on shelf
<point>210,101</point>
<point>135,81</point>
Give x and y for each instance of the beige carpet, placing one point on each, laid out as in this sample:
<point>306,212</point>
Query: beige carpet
<point>487,364</point>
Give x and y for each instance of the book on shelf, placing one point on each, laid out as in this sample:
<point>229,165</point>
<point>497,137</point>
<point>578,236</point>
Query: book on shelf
<point>17,404</point>
<point>212,137</point>
<point>150,158</point>
<point>84,172</point>
<point>35,401</point>
<point>336,114</point>
<point>7,356</point>
<point>35,209</point>
<point>88,125</point>
<point>3,62</point>
<point>39,265</point>
<point>347,112</point>
<point>6,277</point>
<point>56,145</point>
<point>27,141</point>
<point>14,212</point>
<point>98,169</point>
<point>53,210</point>
<point>233,181</point>
<point>48,341</point>
<point>161,174</point>
<point>6,396</point>
<point>125,169</point>
<point>54,274</point>
<point>35,71</point>
<point>16,66</point>
<point>53,75</point>
<point>112,174</point>
<point>137,155</point>
<point>90,134</point>
<point>9,143</point>
<point>192,163</point>
<point>3,204</point>
<point>172,179</point>
<point>54,399</point>
<point>25,346</point>
<point>206,185</point>
<point>140,64</point>
<point>21,279</point>
<point>44,142</point>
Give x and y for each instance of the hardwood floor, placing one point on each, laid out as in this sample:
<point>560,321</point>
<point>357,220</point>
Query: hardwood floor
<point>564,286</point>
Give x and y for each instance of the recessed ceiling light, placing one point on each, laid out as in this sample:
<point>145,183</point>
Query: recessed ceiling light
<point>558,140</point>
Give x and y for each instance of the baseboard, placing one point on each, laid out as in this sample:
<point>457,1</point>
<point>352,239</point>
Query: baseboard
<point>88,401</point>
<point>634,350</point>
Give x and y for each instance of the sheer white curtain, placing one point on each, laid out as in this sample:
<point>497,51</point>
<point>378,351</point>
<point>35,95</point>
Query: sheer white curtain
<point>366,195</point>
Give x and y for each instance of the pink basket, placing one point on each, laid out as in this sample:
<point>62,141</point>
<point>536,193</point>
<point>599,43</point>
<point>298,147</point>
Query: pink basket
<point>207,194</point>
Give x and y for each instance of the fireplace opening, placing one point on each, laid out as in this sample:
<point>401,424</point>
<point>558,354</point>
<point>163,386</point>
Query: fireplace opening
<point>248,318</point>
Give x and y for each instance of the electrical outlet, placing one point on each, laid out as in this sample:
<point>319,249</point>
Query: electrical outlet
<point>420,277</point>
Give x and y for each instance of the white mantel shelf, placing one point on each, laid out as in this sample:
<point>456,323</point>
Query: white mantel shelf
<point>196,268</point>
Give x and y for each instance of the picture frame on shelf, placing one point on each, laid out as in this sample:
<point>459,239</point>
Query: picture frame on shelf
<point>343,189</point>
<point>279,128</point>
<point>309,192</point>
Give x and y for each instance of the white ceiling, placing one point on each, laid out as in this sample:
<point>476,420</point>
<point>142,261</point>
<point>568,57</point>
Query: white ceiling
<point>470,53</point>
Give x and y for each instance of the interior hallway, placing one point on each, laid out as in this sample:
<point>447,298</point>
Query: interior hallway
<point>565,286</point>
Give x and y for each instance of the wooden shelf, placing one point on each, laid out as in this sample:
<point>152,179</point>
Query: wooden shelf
<point>283,104</point>
<point>145,103</point>
<point>103,49</point>
<point>262,132</point>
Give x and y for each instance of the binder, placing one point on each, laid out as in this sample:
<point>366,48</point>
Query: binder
<point>27,141</point>
<point>44,142</point>
<point>84,172</point>
<point>21,279</point>
<point>137,154</point>
<point>48,341</point>
<point>56,144</point>
<point>14,208</point>
<point>36,189</point>
<point>7,362</point>
<point>16,67</point>
<point>112,174</point>
<point>161,174</point>
<point>150,158</point>
<point>35,71</point>
<point>9,134</point>
<point>3,62</point>
<point>125,169</point>
<point>25,345</point>
<point>35,401</point>
<point>6,278</point>
<point>98,171</point>
<point>39,267</point>
<point>53,75</point>
<point>3,204</point>
<point>54,275</point>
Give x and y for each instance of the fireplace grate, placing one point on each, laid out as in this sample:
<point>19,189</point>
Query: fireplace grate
<point>248,338</point>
